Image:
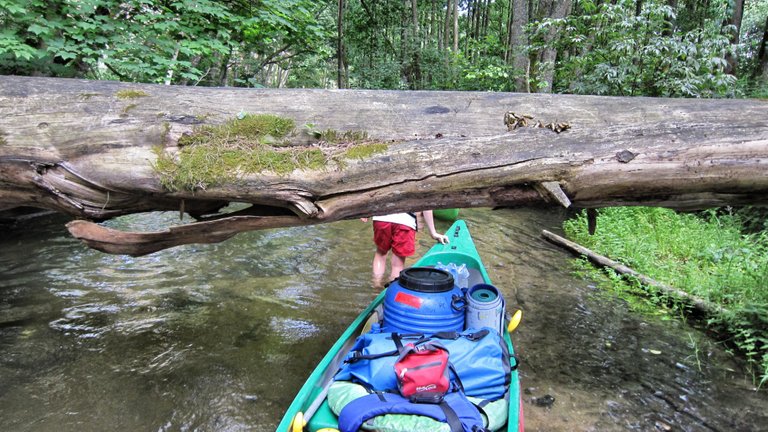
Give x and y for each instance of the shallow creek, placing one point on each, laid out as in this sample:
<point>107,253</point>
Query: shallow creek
<point>220,337</point>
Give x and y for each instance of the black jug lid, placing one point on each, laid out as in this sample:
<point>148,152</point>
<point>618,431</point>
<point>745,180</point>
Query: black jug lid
<point>426,279</point>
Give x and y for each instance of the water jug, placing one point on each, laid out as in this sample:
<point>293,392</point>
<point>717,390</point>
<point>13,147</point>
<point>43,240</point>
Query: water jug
<point>485,308</point>
<point>423,300</point>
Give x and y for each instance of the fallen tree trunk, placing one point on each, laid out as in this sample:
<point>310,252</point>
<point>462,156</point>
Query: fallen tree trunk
<point>694,302</point>
<point>90,149</point>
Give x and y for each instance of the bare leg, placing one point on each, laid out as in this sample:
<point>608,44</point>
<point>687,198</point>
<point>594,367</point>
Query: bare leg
<point>379,264</point>
<point>398,263</point>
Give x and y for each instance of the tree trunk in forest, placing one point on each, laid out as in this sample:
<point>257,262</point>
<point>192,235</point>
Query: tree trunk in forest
<point>548,56</point>
<point>507,33</point>
<point>482,27</point>
<point>372,38</point>
<point>223,74</point>
<point>433,33</point>
<point>734,20</point>
<point>90,149</point>
<point>518,41</point>
<point>762,57</point>
<point>448,21</point>
<point>340,75</point>
<point>415,47</point>
<point>670,24</point>
<point>455,26</point>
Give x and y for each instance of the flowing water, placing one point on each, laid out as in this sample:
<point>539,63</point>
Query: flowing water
<point>220,337</point>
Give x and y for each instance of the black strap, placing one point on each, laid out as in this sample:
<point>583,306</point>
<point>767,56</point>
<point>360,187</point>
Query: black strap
<point>457,381</point>
<point>396,338</point>
<point>357,356</point>
<point>476,336</point>
<point>453,419</point>
<point>453,335</point>
<point>415,220</point>
<point>517,362</point>
<point>450,335</point>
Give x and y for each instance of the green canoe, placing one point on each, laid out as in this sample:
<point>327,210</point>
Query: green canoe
<point>449,215</point>
<point>309,410</point>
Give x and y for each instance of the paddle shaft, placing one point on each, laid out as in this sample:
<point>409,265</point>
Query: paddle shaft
<point>312,409</point>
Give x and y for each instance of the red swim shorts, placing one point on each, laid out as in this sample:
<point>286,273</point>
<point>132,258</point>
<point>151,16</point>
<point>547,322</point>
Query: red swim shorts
<point>400,238</point>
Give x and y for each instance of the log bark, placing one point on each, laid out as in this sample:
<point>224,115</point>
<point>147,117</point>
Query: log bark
<point>75,146</point>
<point>694,302</point>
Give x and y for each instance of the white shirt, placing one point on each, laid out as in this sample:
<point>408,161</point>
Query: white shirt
<point>398,218</point>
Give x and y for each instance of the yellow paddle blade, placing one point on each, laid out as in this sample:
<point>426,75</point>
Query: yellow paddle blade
<point>515,321</point>
<point>297,425</point>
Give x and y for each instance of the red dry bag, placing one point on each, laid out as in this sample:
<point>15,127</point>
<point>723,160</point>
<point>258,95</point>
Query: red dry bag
<point>423,372</point>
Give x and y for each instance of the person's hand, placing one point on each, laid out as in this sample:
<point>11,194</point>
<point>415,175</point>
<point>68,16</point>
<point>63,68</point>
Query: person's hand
<point>442,239</point>
<point>364,219</point>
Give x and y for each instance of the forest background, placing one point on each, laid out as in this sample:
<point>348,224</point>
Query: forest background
<point>670,48</point>
<point>688,48</point>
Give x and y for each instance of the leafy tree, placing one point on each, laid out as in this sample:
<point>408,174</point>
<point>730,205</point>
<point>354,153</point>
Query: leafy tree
<point>162,41</point>
<point>626,47</point>
<point>276,34</point>
<point>148,41</point>
<point>610,50</point>
<point>754,31</point>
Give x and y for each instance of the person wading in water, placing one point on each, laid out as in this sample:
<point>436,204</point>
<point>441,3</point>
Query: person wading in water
<point>397,233</point>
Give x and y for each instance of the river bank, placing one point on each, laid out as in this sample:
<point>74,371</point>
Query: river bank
<point>707,256</point>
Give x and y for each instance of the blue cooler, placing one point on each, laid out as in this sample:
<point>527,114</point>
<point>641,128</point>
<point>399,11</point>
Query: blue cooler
<point>423,300</point>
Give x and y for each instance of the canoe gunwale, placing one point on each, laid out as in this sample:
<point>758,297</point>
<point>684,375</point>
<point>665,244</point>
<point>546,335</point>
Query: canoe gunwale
<point>330,363</point>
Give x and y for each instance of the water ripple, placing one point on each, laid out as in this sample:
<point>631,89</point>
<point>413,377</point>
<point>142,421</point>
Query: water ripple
<point>219,337</point>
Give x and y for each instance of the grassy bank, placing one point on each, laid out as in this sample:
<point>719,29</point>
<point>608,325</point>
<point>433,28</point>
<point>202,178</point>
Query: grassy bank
<point>705,255</point>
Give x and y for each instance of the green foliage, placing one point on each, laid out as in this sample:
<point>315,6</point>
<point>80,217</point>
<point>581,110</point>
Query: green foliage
<point>706,256</point>
<point>182,41</point>
<point>612,51</point>
<point>486,74</point>
<point>283,33</point>
<point>753,219</point>
<point>752,31</point>
<point>138,40</point>
<point>602,47</point>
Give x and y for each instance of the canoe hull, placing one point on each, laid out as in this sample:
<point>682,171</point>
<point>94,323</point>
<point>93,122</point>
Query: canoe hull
<point>449,215</point>
<point>310,399</point>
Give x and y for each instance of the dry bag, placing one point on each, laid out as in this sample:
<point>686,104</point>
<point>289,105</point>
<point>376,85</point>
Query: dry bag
<point>422,372</point>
